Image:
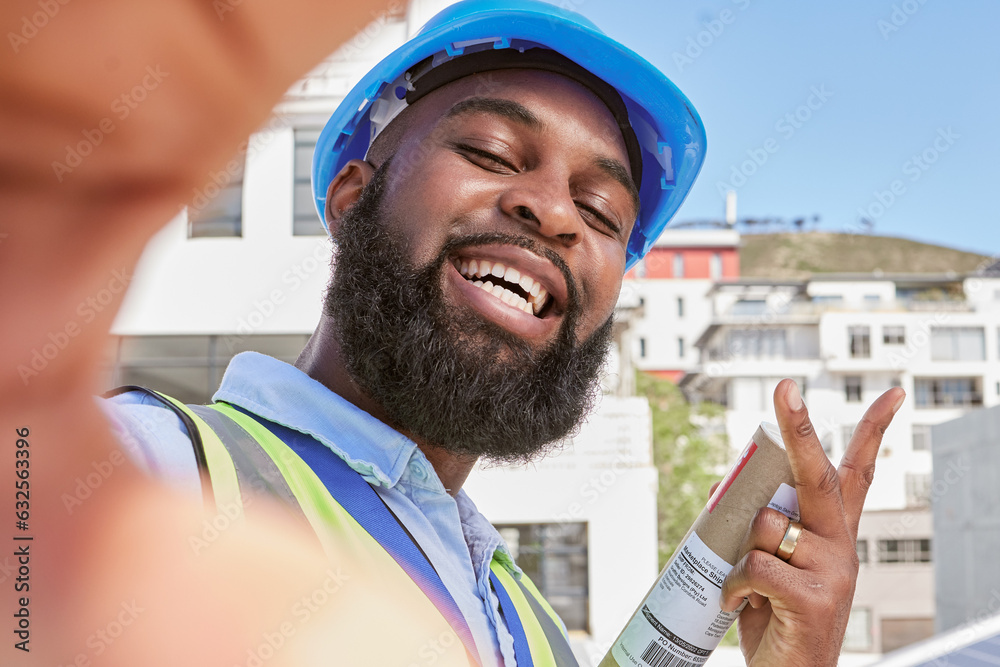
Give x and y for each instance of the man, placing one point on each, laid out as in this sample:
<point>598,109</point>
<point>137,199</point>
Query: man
<point>481,246</point>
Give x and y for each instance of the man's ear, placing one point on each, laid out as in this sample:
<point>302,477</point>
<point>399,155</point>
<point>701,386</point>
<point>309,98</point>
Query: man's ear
<point>344,190</point>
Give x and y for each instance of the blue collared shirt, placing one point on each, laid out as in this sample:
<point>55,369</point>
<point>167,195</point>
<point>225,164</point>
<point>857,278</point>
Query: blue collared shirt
<point>457,539</point>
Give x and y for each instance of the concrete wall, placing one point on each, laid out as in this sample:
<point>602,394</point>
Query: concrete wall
<point>661,326</point>
<point>966,495</point>
<point>267,281</point>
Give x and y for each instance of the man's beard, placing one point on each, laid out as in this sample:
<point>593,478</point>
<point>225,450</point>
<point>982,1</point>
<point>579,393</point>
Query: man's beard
<point>449,378</point>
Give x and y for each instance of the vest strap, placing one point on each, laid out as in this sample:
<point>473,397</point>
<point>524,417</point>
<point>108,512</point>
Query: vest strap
<point>192,430</point>
<point>221,471</point>
<point>360,501</point>
<point>244,454</point>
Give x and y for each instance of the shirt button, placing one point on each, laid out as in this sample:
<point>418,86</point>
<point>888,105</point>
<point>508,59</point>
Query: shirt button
<point>418,470</point>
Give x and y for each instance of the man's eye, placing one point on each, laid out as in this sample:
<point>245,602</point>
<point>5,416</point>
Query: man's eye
<point>592,215</point>
<point>487,156</point>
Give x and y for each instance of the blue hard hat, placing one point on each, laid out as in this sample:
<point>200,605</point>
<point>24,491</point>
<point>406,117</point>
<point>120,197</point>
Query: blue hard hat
<point>667,137</point>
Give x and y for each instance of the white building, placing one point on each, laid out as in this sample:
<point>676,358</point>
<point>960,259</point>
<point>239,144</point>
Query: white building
<point>245,268</point>
<point>846,339</point>
<point>673,283</point>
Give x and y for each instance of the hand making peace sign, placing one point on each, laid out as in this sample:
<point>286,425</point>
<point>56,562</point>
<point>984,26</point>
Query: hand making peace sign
<point>799,608</point>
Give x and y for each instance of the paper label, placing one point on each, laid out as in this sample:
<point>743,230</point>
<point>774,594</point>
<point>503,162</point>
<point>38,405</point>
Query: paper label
<point>786,501</point>
<point>680,623</point>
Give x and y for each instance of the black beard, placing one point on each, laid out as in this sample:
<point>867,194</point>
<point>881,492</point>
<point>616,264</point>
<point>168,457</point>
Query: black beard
<point>450,379</point>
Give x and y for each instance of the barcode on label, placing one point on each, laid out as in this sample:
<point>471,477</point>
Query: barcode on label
<point>657,656</point>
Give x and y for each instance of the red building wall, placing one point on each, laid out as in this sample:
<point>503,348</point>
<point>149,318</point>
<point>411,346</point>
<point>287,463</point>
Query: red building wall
<point>659,263</point>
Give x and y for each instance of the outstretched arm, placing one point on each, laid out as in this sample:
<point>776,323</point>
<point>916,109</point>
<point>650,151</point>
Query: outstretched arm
<point>111,112</point>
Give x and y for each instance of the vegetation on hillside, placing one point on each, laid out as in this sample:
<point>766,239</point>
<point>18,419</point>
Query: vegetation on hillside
<point>799,255</point>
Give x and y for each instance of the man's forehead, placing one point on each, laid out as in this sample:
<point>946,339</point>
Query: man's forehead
<point>528,88</point>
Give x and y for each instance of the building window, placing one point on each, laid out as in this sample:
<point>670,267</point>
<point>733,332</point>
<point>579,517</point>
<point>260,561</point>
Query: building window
<point>754,344</point>
<point>680,306</point>
<point>921,437</point>
<point>829,300</point>
<point>189,368</point>
<point>918,489</point>
<point>680,347</point>
<point>642,348</point>
<point>958,344</point>
<point>217,208</point>
<point>749,307</point>
<point>678,265</point>
<point>554,556</point>
<point>305,222</point>
<point>715,266</point>
<point>860,342</point>
<point>947,392</point>
<point>904,551</point>
<point>894,335</point>
<point>862,548</point>
<point>859,630</point>
<point>871,300</point>
<point>852,388</point>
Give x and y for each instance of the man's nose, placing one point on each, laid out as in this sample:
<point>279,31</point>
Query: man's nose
<point>544,204</point>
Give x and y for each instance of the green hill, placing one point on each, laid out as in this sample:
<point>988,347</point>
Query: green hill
<point>801,254</point>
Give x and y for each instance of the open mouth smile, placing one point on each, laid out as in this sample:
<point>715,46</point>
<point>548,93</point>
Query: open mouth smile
<point>511,286</point>
<point>525,293</point>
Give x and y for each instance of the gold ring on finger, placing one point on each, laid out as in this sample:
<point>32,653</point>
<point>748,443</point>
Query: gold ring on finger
<point>788,542</point>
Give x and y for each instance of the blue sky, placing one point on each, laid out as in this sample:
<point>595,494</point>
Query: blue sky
<point>928,73</point>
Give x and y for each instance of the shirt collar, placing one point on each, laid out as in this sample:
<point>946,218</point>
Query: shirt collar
<point>291,398</point>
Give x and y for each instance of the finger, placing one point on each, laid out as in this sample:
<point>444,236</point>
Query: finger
<point>759,573</point>
<point>857,468</point>
<point>711,490</point>
<point>816,481</point>
<point>767,531</point>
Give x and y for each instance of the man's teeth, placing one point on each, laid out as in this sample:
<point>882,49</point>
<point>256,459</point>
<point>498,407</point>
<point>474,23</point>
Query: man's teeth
<point>485,269</point>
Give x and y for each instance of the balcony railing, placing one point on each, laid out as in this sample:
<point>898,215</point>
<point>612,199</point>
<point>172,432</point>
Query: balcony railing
<point>944,400</point>
<point>808,309</point>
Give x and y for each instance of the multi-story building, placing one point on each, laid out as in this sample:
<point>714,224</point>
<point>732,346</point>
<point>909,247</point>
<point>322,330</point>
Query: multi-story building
<point>673,282</point>
<point>845,339</point>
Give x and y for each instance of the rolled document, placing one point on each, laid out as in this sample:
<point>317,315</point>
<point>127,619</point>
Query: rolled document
<point>679,622</point>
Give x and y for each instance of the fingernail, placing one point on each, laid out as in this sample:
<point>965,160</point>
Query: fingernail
<point>794,398</point>
<point>899,404</point>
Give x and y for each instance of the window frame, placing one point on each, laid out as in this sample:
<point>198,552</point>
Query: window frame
<point>305,223</point>
<point>849,394</point>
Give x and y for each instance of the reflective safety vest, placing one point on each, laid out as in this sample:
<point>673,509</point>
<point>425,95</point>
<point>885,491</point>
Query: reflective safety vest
<point>243,455</point>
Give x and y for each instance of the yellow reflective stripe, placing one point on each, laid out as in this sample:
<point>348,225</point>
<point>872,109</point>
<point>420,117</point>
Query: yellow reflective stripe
<point>334,526</point>
<point>336,529</point>
<point>538,644</point>
<point>225,484</point>
<point>530,585</point>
